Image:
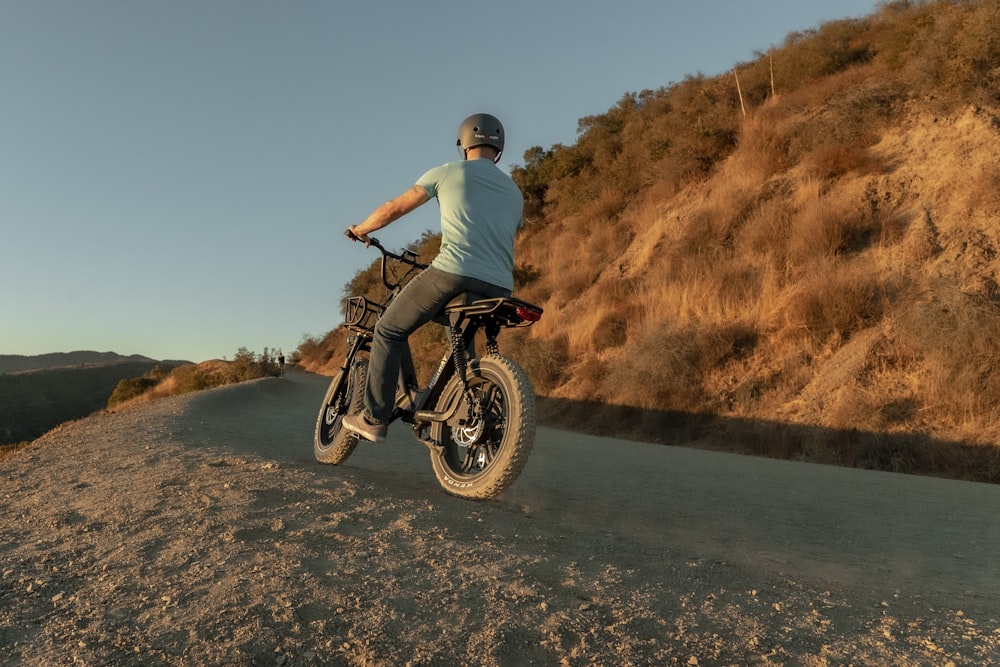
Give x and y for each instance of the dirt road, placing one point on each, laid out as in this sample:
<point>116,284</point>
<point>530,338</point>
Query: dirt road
<point>199,530</point>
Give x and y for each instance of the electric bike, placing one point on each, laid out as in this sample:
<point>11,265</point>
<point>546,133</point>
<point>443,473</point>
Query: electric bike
<point>476,415</point>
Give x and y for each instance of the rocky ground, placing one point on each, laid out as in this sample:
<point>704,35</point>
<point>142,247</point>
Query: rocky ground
<point>199,530</point>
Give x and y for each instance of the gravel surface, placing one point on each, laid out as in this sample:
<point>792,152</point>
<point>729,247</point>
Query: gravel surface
<point>198,530</point>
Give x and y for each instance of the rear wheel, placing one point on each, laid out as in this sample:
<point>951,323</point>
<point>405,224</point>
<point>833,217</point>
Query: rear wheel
<point>332,443</point>
<point>483,449</point>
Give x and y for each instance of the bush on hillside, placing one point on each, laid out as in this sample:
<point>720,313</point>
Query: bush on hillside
<point>159,382</point>
<point>130,388</point>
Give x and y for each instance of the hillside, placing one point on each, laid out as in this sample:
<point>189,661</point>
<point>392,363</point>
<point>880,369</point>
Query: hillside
<point>807,241</point>
<point>32,402</point>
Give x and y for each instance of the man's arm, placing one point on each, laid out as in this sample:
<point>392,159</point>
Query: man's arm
<point>389,212</point>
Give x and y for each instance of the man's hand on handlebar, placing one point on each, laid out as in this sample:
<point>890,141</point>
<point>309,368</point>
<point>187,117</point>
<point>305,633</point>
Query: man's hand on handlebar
<point>352,234</point>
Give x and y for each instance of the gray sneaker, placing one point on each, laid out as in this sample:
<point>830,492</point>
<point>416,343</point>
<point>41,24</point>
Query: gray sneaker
<point>359,424</point>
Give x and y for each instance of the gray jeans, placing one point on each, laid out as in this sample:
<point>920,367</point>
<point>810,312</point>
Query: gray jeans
<point>419,302</point>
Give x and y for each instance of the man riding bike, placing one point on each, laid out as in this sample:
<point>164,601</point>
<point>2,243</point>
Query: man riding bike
<point>481,211</point>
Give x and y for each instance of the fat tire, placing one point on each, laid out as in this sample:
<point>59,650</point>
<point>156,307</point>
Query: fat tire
<point>332,443</point>
<point>516,440</point>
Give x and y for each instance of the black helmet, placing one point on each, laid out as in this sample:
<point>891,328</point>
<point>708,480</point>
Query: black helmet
<point>480,129</point>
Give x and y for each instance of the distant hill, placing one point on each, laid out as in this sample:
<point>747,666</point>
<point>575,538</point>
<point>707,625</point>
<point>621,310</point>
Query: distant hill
<point>40,392</point>
<point>16,363</point>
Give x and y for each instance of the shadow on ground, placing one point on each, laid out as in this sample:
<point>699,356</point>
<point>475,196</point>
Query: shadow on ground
<point>911,453</point>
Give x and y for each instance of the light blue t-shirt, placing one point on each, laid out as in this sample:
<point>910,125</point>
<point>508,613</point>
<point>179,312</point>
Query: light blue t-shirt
<point>481,210</point>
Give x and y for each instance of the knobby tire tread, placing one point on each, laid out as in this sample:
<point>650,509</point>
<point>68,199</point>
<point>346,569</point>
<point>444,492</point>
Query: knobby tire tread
<point>522,418</point>
<point>344,442</point>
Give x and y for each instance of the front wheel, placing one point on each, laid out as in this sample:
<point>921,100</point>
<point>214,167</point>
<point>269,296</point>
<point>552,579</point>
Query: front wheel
<point>484,448</point>
<point>332,443</point>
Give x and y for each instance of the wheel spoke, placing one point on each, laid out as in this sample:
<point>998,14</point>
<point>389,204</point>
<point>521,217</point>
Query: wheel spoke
<point>476,457</point>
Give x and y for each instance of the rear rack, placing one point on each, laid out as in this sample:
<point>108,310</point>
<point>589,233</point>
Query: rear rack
<point>510,311</point>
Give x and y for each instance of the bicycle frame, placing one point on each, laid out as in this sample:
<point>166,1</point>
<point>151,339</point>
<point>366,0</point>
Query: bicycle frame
<point>466,316</point>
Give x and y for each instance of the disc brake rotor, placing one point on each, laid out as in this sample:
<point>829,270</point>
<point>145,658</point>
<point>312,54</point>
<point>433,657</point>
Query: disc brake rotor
<point>470,433</point>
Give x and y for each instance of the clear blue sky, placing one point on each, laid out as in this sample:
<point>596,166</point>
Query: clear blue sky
<point>175,175</point>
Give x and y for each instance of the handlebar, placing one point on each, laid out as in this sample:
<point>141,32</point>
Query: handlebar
<point>406,257</point>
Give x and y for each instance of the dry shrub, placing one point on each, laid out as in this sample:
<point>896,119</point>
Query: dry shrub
<point>587,378</point>
<point>545,360</point>
<point>569,273</point>
<point>598,327</point>
<point>849,110</point>
<point>956,337</point>
<point>763,147</point>
<point>834,300</point>
<point>714,227</point>
<point>609,203</point>
<point>704,291</point>
<point>837,159</point>
<point>827,228</point>
<point>852,406</point>
<point>727,342</point>
<point>605,241</point>
<point>614,290</point>
<point>737,288</point>
<point>766,233</point>
<point>664,368</point>
<point>660,371</point>
<point>585,320</point>
<point>985,195</point>
<point>611,330</point>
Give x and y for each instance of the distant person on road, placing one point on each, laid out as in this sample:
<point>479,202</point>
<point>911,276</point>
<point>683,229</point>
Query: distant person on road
<point>481,211</point>
<point>281,363</point>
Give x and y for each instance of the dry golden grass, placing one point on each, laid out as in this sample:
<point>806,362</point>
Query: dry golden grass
<point>956,338</point>
<point>739,303</point>
<point>8,450</point>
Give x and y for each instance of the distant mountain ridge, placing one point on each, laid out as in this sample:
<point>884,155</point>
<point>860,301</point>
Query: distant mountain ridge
<point>17,363</point>
<point>37,393</point>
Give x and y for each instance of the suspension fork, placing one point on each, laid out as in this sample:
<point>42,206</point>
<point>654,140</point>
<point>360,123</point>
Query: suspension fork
<point>356,343</point>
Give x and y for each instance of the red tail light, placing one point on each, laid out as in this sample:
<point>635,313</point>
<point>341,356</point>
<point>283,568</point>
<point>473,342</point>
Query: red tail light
<point>528,315</point>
